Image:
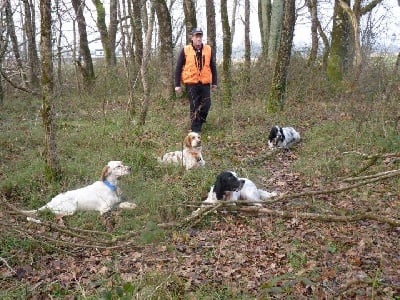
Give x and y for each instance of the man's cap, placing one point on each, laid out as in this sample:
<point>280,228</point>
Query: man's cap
<point>197,31</point>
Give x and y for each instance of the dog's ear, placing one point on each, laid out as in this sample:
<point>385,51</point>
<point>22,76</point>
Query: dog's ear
<point>188,141</point>
<point>272,133</point>
<point>218,187</point>
<point>104,173</point>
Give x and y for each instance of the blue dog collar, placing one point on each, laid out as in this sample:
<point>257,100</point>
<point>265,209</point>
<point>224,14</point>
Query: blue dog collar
<point>110,185</point>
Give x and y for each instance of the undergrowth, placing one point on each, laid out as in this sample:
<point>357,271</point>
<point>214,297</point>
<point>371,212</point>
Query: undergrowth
<point>95,128</point>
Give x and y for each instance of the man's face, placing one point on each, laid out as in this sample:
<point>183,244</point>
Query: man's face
<point>197,40</point>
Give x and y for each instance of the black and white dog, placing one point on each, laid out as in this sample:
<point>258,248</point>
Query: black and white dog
<point>283,137</point>
<point>229,187</point>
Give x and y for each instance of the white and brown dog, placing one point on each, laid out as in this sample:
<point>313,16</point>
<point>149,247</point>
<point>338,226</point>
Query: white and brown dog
<point>190,157</point>
<point>229,187</point>
<point>100,196</point>
<point>283,137</point>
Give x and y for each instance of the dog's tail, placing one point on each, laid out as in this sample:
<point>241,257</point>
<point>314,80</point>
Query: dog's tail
<point>31,214</point>
<point>264,195</point>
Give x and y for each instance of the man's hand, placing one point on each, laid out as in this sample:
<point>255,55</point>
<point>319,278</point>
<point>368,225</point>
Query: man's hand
<point>214,87</point>
<point>178,90</point>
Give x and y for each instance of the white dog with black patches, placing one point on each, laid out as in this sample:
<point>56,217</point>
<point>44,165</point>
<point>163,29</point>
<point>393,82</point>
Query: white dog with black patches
<point>283,137</point>
<point>100,196</point>
<point>190,157</point>
<point>229,187</point>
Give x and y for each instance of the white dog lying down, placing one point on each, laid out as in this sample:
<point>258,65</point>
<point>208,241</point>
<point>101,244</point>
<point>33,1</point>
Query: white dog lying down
<point>100,196</point>
<point>283,137</point>
<point>190,157</point>
<point>230,187</point>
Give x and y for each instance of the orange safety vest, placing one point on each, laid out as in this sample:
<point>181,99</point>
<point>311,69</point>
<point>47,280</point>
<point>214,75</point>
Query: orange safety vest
<point>190,72</point>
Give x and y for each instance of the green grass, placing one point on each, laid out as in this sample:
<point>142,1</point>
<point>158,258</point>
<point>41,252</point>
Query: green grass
<point>88,136</point>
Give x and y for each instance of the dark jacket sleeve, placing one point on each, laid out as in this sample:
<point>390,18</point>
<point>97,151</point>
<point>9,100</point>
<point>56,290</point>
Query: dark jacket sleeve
<point>179,66</point>
<point>213,66</point>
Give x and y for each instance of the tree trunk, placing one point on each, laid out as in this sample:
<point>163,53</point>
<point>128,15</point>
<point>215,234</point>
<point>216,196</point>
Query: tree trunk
<point>339,51</point>
<point>30,31</point>
<point>3,46</point>
<point>14,40</point>
<point>211,31</point>
<point>50,151</point>
<point>276,28</point>
<point>106,36</point>
<point>233,19</point>
<point>278,87</point>
<point>247,46</point>
<point>144,68</point>
<point>313,9</point>
<point>227,56</point>
<point>86,69</point>
<point>189,10</point>
<point>264,19</point>
<point>137,24</point>
<point>166,51</point>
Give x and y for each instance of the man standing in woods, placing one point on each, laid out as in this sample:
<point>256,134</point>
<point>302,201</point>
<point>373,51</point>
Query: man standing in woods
<point>197,70</point>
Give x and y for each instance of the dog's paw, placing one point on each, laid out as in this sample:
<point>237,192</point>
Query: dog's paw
<point>127,205</point>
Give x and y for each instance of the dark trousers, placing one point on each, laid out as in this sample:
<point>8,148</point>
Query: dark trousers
<point>200,103</point>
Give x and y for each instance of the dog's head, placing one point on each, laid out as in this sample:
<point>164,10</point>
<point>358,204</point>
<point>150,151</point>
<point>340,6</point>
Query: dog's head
<point>193,140</point>
<point>227,181</point>
<point>115,169</point>
<point>275,136</point>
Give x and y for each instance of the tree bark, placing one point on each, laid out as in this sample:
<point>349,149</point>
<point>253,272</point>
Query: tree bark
<point>227,56</point>
<point>30,31</point>
<point>107,36</point>
<point>278,87</point>
<point>166,51</point>
<point>247,46</point>
<point>86,68</point>
<point>264,19</point>
<point>211,31</point>
<point>276,28</point>
<point>52,165</point>
<point>144,68</point>
<point>14,41</point>
<point>189,10</point>
<point>340,46</point>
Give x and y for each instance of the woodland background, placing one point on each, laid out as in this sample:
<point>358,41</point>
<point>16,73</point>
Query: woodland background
<point>65,111</point>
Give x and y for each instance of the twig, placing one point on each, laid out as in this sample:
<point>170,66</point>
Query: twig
<point>321,217</point>
<point>7,265</point>
<point>370,176</point>
<point>336,190</point>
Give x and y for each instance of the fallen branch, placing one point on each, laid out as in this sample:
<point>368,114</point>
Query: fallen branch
<point>386,175</point>
<point>321,217</point>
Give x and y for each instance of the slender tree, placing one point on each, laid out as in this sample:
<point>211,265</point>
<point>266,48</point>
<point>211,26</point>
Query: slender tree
<point>312,8</point>
<point>276,97</point>
<point>264,19</point>
<point>339,53</point>
<point>52,164</point>
<point>166,51</point>
<point>189,9</point>
<point>227,55</point>
<point>30,31</point>
<point>3,44</point>
<point>107,35</point>
<point>144,65</point>
<point>14,40</point>
<point>276,28</point>
<point>86,68</point>
<point>137,29</point>
<point>211,31</point>
<point>247,46</point>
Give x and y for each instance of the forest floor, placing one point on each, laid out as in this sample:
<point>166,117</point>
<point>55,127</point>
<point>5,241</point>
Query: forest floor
<point>325,237</point>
